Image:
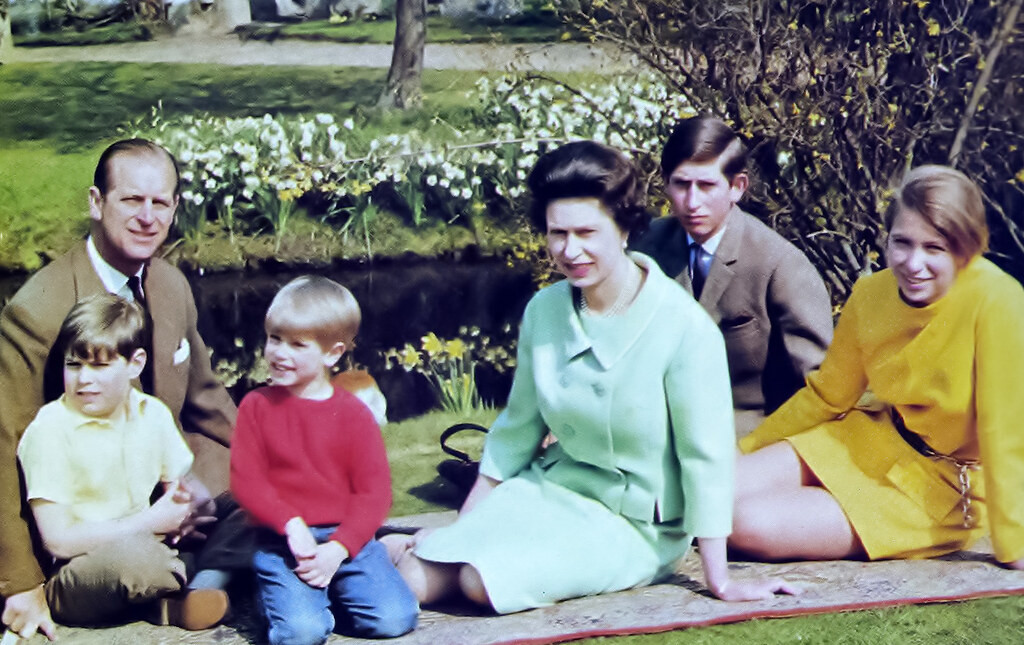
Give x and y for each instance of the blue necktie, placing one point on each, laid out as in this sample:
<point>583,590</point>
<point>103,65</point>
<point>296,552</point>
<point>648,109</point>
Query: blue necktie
<point>700,262</point>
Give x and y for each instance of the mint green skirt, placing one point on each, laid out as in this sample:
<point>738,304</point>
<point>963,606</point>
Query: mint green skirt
<point>536,543</point>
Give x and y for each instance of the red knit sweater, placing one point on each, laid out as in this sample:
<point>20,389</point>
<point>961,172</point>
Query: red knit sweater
<point>323,461</point>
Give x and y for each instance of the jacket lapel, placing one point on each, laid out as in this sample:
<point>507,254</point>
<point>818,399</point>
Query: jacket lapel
<point>576,340</point>
<point>722,271</point>
<point>610,348</point>
<point>166,311</point>
<point>87,281</point>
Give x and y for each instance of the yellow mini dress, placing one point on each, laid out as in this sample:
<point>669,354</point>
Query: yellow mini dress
<point>953,372</point>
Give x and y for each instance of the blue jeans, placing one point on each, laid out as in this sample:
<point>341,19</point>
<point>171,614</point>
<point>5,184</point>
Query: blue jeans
<point>367,596</point>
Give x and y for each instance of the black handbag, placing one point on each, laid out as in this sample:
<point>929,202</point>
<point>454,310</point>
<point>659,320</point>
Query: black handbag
<point>461,471</point>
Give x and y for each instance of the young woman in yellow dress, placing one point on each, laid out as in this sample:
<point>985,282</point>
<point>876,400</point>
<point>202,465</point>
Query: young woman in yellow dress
<point>907,442</point>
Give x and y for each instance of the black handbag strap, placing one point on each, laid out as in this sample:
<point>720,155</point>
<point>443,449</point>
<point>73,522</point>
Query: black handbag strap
<point>455,429</point>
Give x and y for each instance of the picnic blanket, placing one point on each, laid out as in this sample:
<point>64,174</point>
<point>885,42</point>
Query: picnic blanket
<point>677,603</point>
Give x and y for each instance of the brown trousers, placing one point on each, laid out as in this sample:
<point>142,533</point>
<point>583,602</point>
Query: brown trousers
<point>103,585</point>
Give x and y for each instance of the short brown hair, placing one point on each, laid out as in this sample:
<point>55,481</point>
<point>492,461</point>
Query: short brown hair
<point>317,306</point>
<point>701,139</point>
<point>948,200</point>
<point>103,326</point>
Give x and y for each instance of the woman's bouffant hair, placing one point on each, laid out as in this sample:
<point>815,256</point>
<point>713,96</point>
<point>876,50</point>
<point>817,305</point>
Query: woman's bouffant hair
<point>948,200</point>
<point>102,327</point>
<point>583,169</point>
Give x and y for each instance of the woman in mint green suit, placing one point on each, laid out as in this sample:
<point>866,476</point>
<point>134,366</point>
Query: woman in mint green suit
<point>621,366</point>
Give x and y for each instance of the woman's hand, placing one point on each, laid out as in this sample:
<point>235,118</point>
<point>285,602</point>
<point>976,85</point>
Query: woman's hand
<point>716,575</point>
<point>754,589</point>
<point>1016,564</point>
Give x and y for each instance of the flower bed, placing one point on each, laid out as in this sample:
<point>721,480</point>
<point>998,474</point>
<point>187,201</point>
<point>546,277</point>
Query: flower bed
<point>251,175</point>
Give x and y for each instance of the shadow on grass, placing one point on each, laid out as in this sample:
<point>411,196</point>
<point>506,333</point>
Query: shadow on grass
<point>440,492</point>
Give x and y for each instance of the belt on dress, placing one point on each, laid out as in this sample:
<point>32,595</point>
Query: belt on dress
<point>963,466</point>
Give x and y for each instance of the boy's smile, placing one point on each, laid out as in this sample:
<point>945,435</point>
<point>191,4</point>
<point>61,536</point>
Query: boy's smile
<point>301,365</point>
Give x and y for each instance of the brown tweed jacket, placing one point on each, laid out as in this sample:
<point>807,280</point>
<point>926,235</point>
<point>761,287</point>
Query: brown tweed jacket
<point>768,300</point>
<point>29,376</point>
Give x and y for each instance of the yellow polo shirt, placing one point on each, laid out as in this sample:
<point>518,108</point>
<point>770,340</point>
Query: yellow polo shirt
<point>104,469</point>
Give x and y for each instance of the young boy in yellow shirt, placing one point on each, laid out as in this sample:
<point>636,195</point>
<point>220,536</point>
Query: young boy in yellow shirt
<point>92,460</point>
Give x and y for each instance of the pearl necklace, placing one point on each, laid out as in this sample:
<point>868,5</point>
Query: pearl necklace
<point>622,301</point>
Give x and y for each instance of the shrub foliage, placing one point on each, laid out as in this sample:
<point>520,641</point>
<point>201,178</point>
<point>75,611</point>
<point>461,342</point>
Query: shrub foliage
<point>839,99</point>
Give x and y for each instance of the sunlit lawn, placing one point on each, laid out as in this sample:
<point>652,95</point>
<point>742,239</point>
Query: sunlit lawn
<point>440,29</point>
<point>56,117</point>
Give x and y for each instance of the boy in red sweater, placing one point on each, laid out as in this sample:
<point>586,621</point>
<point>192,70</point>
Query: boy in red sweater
<point>308,464</point>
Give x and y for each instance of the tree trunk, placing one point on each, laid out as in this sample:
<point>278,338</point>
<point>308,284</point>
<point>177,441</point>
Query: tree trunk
<point>404,85</point>
<point>6,44</point>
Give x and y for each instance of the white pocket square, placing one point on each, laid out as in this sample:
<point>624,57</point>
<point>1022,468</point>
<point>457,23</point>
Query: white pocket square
<point>181,354</point>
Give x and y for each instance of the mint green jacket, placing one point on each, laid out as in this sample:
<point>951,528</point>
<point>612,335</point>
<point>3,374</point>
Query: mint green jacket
<point>640,404</point>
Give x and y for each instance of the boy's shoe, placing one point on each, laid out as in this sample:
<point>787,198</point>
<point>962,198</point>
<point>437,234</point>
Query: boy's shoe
<point>194,609</point>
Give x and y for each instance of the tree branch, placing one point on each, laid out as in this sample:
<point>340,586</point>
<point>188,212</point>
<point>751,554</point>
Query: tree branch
<point>986,74</point>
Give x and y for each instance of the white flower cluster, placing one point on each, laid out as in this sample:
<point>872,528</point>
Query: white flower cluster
<point>253,165</point>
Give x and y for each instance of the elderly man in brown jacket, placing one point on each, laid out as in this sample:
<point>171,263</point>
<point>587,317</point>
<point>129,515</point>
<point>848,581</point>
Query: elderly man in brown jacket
<point>768,300</point>
<point>132,207</point>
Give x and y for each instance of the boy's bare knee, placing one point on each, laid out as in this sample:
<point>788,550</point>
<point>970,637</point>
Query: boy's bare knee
<point>472,585</point>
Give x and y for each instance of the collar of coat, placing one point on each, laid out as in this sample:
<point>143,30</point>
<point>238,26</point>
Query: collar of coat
<point>609,348</point>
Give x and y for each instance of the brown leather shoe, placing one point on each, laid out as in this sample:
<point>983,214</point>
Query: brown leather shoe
<point>194,609</point>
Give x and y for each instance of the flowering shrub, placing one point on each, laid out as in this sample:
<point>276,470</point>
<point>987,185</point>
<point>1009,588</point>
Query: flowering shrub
<point>250,174</point>
<point>450,365</point>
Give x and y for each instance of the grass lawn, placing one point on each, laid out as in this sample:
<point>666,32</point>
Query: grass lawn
<point>440,29</point>
<point>118,32</point>
<point>57,117</point>
<point>414,454</point>
<point>76,104</point>
<point>43,200</point>
<point>536,26</point>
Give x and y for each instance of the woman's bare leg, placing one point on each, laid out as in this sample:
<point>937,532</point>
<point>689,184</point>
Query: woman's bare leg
<point>772,468</point>
<point>429,581</point>
<point>472,585</point>
<point>782,513</point>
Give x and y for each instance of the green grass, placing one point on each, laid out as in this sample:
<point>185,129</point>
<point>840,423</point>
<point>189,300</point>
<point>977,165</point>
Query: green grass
<point>440,29</point>
<point>75,104</point>
<point>995,621</point>
<point>57,117</point>
<point>414,453</point>
<point>118,32</point>
<point>43,201</point>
